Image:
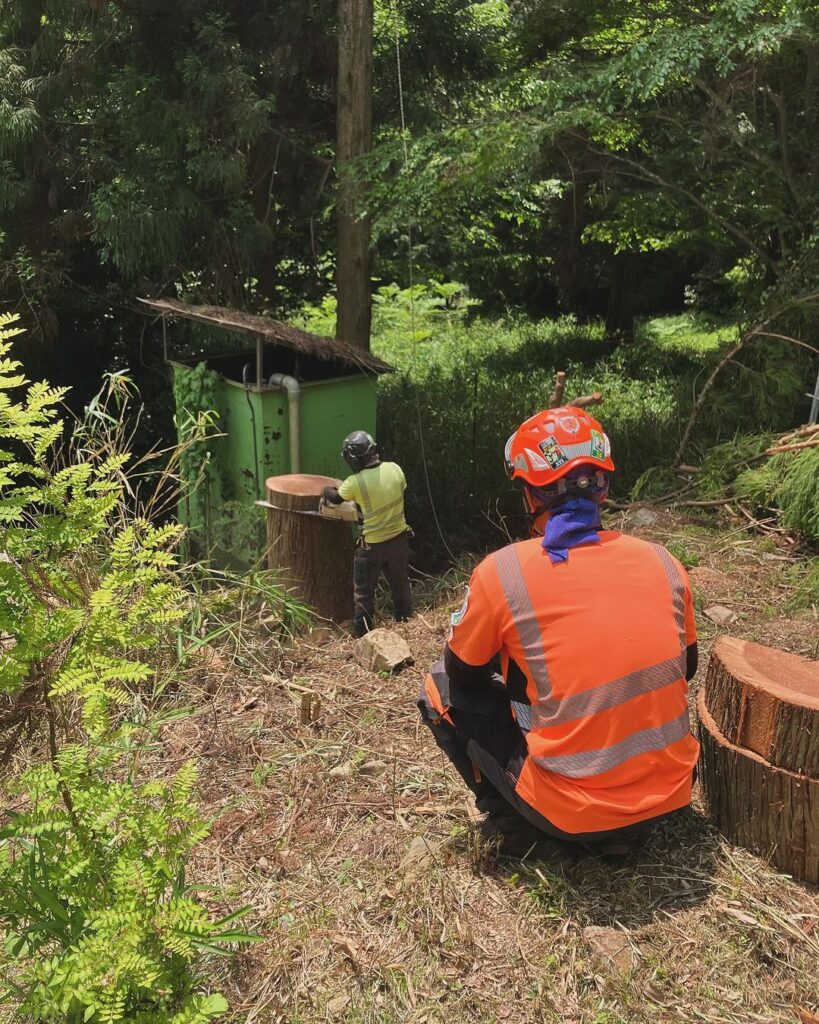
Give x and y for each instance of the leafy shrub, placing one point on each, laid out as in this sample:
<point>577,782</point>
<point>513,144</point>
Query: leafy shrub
<point>100,925</point>
<point>82,592</point>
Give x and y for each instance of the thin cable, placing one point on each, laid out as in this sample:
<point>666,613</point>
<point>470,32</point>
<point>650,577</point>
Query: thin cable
<point>411,263</point>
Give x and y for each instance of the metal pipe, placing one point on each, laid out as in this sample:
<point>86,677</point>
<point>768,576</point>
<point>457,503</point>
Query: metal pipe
<point>293,389</point>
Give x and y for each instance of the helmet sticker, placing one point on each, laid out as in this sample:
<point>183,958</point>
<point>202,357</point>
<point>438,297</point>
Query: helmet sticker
<point>553,453</point>
<point>456,617</point>
<point>535,459</point>
<point>598,446</point>
<point>570,424</point>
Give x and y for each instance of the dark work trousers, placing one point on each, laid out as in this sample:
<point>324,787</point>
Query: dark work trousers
<point>392,558</point>
<point>488,748</point>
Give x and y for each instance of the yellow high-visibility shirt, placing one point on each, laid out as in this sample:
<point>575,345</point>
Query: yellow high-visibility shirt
<point>379,493</point>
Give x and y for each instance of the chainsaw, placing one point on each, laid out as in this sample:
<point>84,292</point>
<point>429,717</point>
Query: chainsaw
<point>346,511</point>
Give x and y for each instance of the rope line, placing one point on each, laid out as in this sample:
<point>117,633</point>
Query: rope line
<point>411,268</point>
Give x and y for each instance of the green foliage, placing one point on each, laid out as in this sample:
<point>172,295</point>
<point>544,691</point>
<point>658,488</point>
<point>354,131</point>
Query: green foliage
<point>805,582</point>
<point>725,461</point>
<point>100,925</point>
<point>198,412</point>
<point>83,596</point>
<point>235,609</point>
<point>788,482</point>
<point>634,147</point>
<point>688,334</point>
<point>471,380</point>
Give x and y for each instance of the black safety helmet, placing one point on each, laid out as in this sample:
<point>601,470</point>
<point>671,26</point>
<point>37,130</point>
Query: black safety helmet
<point>359,450</point>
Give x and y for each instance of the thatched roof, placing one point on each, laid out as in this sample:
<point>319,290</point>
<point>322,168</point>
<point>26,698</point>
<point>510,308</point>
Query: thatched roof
<point>272,331</point>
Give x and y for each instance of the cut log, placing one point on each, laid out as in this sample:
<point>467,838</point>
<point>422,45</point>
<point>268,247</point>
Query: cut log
<point>769,810</point>
<point>314,555</point>
<point>767,701</point>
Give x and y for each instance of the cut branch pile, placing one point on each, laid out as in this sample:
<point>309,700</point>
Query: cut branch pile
<point>796,440</point>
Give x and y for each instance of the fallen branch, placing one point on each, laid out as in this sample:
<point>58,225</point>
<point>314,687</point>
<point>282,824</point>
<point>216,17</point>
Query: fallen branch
<point>709,503</point>
<point>814,443</point>
<point>556,399</point>
<point>806,431</point>
<point>586,400</point>
<point>692,419</point>
<point>760,331</point>
<point>784,337</point>
<point>762,524</point>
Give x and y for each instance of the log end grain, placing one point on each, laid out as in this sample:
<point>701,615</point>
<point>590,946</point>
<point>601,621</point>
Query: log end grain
<point>766,700</point>
<point>787,677</point>
<point>303,485</point>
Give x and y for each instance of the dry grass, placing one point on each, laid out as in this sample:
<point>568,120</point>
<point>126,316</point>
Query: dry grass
<point>354,842</point>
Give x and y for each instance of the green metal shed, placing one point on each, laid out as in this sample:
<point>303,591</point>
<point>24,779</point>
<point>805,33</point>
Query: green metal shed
<point>284,406</point>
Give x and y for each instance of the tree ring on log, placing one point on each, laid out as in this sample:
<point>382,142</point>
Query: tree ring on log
<point>766,700</point>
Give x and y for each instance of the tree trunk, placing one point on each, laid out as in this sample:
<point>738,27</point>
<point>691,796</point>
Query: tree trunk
<point>354,139</point>
<point>759,730</point>
<point>620,311</point>
<point>314,555</point>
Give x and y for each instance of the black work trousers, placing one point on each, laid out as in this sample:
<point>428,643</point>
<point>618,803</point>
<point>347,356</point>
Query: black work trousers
<point>392,558</point>
<point>488,748</point>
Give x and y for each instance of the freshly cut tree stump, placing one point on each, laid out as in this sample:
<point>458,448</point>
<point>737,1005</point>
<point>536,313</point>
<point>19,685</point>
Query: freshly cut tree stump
<point>759,730</point>
<point>314,555</point>
<point>766,700</point>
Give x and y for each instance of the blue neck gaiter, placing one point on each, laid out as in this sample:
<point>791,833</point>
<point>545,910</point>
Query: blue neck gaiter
<point>574,521</point>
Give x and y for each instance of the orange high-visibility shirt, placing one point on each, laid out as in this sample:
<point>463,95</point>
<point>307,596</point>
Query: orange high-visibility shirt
<point>602,642</point>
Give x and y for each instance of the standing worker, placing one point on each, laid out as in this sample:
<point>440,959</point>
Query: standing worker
<point>583,735</point>
<point>378,489</point>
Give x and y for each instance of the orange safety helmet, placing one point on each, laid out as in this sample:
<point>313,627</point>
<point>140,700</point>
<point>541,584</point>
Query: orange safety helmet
<point>552,443</point>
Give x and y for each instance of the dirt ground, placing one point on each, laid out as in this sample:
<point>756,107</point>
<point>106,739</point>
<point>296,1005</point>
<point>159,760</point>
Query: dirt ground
<point>356,845</point>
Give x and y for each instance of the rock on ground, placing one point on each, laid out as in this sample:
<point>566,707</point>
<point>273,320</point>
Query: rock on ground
<point>720,614</point>
<point>611,948</point>
<point>382,650</point>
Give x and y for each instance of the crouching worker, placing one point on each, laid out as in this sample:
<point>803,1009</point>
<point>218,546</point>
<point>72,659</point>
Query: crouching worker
<point>378,489</point>
<point>562,699</point>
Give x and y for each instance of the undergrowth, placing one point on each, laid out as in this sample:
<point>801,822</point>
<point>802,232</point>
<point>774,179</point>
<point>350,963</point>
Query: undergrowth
<point>470,381</point>
<point>97,921</point>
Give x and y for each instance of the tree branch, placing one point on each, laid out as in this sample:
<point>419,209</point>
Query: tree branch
<point>643,174</point>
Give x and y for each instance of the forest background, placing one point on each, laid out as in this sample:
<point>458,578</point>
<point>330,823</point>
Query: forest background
<point>627,191</point>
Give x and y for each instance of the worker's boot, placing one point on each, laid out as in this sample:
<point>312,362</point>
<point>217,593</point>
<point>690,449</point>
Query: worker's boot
<point>512,836</point>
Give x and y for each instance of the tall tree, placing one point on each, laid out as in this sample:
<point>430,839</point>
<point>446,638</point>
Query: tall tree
<point>354,134</point>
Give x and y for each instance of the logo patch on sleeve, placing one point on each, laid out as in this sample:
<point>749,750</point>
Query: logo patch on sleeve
<point>456,617</point>
<point>553,453</point>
